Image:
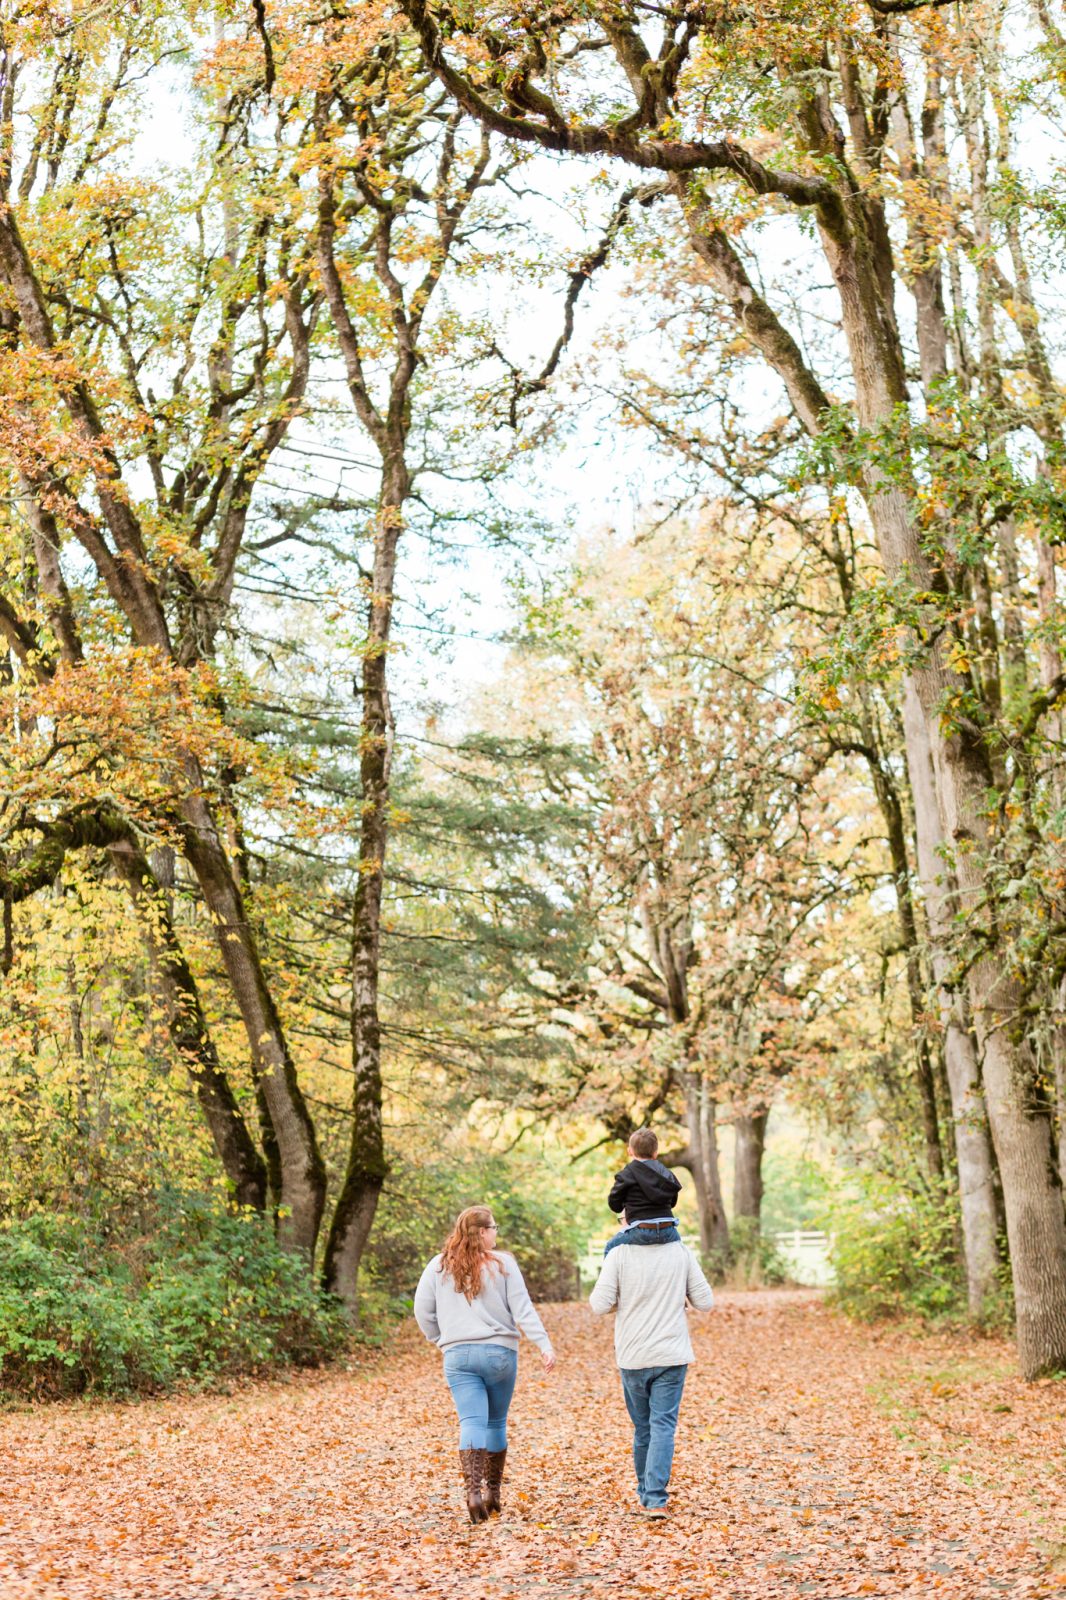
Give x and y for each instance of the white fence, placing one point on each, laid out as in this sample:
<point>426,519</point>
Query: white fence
<point>804,1251</point>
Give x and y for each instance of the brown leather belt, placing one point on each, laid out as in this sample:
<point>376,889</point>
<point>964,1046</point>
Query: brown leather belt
<point>655,1224</point>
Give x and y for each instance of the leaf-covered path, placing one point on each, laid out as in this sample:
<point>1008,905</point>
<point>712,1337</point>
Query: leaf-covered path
<point>814,1458</point>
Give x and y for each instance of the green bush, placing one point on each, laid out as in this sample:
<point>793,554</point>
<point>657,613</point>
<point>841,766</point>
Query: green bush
<point>223,1298</point>
<point>208,1296</point>
<point>752,1261</point>
<point>70,1319</point>
<point>894,1249</point>
<point>420,1204</point>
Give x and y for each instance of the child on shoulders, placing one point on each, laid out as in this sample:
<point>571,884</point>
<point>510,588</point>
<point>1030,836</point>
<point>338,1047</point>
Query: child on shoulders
<point>644,1193</point>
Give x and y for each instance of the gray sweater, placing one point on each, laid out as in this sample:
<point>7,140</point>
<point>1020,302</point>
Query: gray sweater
<point>503,1307</point>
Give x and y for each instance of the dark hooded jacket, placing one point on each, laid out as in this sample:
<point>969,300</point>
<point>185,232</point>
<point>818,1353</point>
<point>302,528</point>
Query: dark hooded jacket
<point>644,1189</point>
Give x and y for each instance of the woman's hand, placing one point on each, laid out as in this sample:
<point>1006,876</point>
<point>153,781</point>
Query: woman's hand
<point>548,1358</point>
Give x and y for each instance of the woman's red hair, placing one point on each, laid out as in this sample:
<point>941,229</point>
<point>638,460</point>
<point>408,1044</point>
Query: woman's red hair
<point>464,1258</point>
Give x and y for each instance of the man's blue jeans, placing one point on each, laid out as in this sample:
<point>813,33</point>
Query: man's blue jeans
<point>653,1399</point>
<point>482,1379</point>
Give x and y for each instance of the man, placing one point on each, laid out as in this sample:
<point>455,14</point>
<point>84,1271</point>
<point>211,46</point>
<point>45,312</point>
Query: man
<point>650,1290</point>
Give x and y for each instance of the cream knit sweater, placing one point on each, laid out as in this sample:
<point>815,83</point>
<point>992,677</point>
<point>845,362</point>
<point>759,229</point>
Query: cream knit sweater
<point>649,1286</point>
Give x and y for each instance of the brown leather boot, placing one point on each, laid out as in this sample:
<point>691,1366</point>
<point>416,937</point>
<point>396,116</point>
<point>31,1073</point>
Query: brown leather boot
<point>474,1464</point>
<point>494,1478</point>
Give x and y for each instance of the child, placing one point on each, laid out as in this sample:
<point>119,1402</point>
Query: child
<point>645,1193</point>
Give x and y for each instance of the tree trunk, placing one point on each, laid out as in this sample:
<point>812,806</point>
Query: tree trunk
<point>1060,1097</point>
<point>1021,1132</point>
<point>1021,1127</point>
<point>7,951</point>
<point>241,1161</point>
<point>926,281</point>
<point>1050,658</point>
<point>232,835</point>
<point>749,1133</point>
<point>1036,1225</point>
<point>1020,1123</point>
<point>303,1175</point>
<point>974,1158</point>
<point>367,1166</point>
<point>973,1150</point>
<point>892,812</point>
<point>1032,1193</point>
<point>703,1164</point>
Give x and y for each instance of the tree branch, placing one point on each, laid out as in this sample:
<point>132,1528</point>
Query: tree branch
<point>39,867</point>
<point>661,155</point>
<point>522,388</point>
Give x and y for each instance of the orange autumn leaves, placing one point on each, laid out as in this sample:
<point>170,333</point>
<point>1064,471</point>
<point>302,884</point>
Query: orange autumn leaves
<point>131,728</point>
<point>814,1458</point>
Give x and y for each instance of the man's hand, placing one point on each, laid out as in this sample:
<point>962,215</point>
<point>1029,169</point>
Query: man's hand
<point>548,1358</point>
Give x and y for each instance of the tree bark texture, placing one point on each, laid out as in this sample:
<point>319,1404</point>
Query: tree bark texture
<point>892,813</point>
<point>189,1033</point>
<point>749,1133</point>
<point>703,1164</point>
<point>367,1166</point>
<point>973,1149</point>
<point>303,1174</point>
<point>1060,1099</point>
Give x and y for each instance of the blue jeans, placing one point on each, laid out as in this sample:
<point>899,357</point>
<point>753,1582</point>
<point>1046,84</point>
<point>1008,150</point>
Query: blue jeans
<point>637,1235</point>
<point>653,1399</point>
<point>482,1379</point>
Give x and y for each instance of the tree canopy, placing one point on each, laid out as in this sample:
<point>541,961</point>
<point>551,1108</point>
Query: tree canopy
<point>723,352</point>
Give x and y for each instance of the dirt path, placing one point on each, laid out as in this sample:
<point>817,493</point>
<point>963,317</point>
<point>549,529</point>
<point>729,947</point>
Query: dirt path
<point>813,1459</point>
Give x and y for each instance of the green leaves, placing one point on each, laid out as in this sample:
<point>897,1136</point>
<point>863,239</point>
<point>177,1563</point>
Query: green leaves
<point>894,1248</point>
<point>209,1293</point>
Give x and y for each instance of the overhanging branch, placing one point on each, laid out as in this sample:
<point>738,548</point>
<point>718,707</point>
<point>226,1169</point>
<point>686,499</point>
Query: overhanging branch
<point>563,136</point>
<point>40,866</point>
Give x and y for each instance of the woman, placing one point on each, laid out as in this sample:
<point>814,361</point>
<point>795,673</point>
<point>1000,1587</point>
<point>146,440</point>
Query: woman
<point>471,1302</point>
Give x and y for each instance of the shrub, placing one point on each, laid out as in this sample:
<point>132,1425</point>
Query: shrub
<point>752,1261</point>
<point>69,1319</point>
<point>209,1295</point>
<point>894,1249</point>
<point>420,1203</point>
<point>223,1298</point>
